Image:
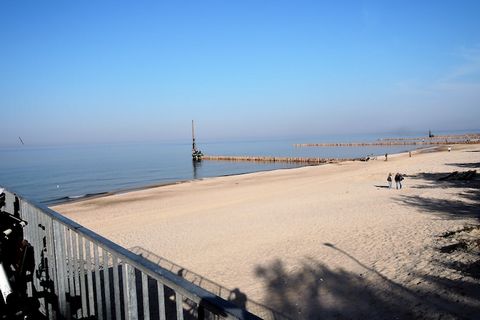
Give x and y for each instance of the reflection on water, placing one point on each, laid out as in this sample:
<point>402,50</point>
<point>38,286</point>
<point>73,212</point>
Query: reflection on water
<point>196,165</point>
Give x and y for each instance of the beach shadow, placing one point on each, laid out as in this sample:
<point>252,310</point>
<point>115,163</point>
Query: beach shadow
<point>315,291</point>
<point>471,269</point>
<point>465,245</point>
<point>382,186</point>
<point>459,296</point>
<point>465,165</point>
<point>467,203</point>
<point>443,208</point>
<point>445,180</point>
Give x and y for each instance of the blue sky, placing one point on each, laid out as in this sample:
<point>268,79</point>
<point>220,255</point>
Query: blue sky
<point>121,71</point>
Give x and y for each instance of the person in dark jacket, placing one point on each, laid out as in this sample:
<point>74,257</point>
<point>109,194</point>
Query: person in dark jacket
<point>398,180</point>
<point>389,180</point>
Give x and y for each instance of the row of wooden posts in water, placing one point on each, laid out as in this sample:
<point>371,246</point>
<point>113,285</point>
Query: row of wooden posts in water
<point>278,159</point>
<point>431,140</point>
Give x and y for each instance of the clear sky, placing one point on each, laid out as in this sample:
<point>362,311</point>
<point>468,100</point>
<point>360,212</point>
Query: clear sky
<point>119,71</point>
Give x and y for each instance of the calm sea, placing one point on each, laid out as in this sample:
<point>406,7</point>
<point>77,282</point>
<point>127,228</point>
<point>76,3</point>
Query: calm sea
<point>56,174</point>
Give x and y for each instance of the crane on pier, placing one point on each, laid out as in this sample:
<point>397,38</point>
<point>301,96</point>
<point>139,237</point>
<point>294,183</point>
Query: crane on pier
<point>196,154</point>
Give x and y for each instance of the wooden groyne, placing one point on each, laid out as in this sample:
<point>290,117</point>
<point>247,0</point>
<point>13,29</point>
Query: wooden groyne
<point>277,159</point>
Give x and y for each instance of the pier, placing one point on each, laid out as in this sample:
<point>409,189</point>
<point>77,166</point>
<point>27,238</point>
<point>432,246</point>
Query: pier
<point>423,141</point>
<point>456,137</point>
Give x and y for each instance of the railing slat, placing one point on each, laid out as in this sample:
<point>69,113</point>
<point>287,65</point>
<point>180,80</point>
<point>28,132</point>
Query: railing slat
<point>76,270</point>
<point>146,301</point>
<point>129,292</point>
<point>59,241</point>
<point>125,291</point>
<point>29,236</point>
<point>161,300</point>
<point>49,260</point>
<point>91,294</point>
<point>70,267</point>
<point>132,292</point>
<point>116,288</point>
<point>106,279</point>
<point>81,264</point>
<point>23,209</point>
<point>36,242</point>
<point>179,305</point>
<point>98,283</point>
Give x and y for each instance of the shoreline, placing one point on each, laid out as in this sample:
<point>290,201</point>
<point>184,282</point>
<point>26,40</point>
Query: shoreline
<point>67,199</point>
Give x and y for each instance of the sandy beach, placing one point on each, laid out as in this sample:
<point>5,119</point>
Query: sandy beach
<point>330,241</point>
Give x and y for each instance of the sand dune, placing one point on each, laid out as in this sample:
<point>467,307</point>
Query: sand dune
<point>328,241</point>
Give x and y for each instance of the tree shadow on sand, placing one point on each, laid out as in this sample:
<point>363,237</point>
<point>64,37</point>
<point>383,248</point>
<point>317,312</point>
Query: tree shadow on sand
<point>440,180</point>
<point>315,291</point>
<point>466,204</point>
<point>471,165</point>
<point>444,208</point>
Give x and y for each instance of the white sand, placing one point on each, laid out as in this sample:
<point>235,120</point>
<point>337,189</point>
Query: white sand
<point>266,234</point>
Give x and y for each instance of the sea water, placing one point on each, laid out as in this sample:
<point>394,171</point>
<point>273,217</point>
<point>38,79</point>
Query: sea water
<point>55,174</point>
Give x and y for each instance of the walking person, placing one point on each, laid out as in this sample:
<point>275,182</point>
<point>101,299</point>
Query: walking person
<point>398,180</point>
<point>389,179</point>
